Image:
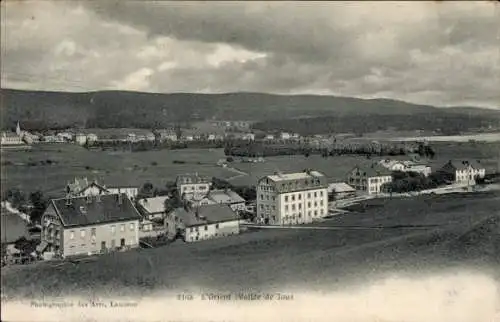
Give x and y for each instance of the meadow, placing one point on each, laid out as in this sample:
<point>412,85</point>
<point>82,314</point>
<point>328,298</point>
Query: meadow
<point>109,167</point>
<point>30,171</point>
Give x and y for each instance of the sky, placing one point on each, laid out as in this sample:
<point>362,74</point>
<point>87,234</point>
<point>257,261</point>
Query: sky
<point>437,53</point>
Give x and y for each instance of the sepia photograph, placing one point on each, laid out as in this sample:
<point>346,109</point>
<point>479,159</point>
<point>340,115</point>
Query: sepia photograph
<point>227,161</point>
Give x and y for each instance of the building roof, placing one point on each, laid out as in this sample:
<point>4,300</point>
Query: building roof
<point>297,181</point>
<point>207,214</point>
<point>153,205</point>
<point>225,196</point>
<point>461,165</point>
<point>85,211</point>
<point>340,187</point>
<point>375,170</point>
<point>13,227</point>
<point>191,179</point>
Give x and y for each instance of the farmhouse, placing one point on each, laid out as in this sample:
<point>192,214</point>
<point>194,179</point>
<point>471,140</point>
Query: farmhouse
<point>341,190</point>
<point>226,197</point>
<point>406,166</point>
<point>90,225</point>
<point>82,187</point>
<point>152,208</point>
<point>192,186</point>
<point>80,138</point>
<point>203,222</point>
<point>369,179</point>
<point>463,172</point>
<point>293,198</point>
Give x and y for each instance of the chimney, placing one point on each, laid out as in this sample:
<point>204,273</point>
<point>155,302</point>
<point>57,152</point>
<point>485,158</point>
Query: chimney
<point>68,200</point>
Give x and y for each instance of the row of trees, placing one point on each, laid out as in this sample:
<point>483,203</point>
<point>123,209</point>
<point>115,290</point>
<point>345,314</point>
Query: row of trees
<point>259,149</point>
<point>413,181</point>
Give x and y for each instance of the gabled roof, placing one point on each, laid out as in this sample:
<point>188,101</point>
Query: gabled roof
<point>451,166</point>
<point>225,196</point>
<point>207,214</point>
<point>339,187</point>
<point>100,210</point>
<point>153,205</point>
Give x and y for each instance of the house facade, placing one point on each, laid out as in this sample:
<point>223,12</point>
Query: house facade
<point>294,198</point>
<point>369,179</point>
<point>201,223</point>
<point>465,172</point>
<point>90,225</point>
<point>192,186</point>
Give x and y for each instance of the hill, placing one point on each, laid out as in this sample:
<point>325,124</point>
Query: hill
<point>106,109</point>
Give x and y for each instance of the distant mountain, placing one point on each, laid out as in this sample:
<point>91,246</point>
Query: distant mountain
<point>106,109</point>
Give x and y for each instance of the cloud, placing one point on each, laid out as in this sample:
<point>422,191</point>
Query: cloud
<point>424,52</point>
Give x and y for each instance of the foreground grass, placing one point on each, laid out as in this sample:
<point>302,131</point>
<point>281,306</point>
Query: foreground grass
<point>274,259</point>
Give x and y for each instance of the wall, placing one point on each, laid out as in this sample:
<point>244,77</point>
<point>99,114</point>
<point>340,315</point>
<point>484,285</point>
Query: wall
<point>224,229</point>
<point>87,245</point>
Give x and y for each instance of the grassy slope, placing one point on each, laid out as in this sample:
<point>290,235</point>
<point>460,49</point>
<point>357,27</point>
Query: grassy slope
<point>284,259</point>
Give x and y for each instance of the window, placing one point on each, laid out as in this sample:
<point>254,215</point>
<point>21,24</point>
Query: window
<point>309,213</point>
<point>216,226</point>
<point>206,228</point>
<point>92,232</point>
<point>315,194</point>
<point>309,195</point>
<point>122,227</point>
<point>113,243</point>
<point>300,206</point>
<point>293,207</point>
<point>132,226</point>
<point>113,229</point>
<point>315,204</point>
<point>82,233</point>
<point>196,228</point>
<point>321,202</point>
<point>267,197</point>
<point>286,207</point>
<point>321,193</point>
<point>293,197</point>
<point>286,198</point>
<point>274,207</point>
<point>308,204</point>
<point>315,212</point>
<point>122,242</point>
<point>322,211</point>
<point>72,235</point>
<point>300,197</point>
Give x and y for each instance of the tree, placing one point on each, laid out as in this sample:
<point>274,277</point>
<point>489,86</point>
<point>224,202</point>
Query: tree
<point>39,203</point>
<point>147,190</point>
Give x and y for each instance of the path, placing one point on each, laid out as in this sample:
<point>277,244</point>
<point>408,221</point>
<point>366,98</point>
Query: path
<point>9,208</point>
<point>339,227</point>
<point>239,173</point>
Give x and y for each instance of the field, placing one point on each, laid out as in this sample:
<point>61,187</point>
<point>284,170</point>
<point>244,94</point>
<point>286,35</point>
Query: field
<point>23,169</point>
<point>464,232</point>
<point>336,168</point>
<point>111,168</point>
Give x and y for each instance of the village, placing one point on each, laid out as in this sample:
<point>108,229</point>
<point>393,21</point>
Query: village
<point>93,218</point>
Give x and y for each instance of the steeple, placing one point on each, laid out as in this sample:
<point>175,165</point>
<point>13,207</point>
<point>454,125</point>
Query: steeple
<point>18,129</point>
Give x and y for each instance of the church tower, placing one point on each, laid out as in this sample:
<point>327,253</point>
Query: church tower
<point>18,129</point>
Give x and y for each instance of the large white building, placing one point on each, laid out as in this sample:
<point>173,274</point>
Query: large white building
<point>294,198</point>
<point>369,179</point>
<point>463,172</point>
